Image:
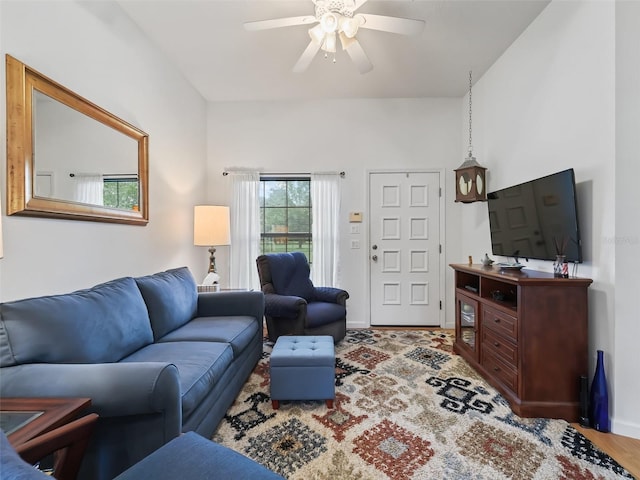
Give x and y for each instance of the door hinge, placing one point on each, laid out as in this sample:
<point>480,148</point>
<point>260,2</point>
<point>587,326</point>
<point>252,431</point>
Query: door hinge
<point>440,304</point>
<point>440,191</point>
<point>440,248</point>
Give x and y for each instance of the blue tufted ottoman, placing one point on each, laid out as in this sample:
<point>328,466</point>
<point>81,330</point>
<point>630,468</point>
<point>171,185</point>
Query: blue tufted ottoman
<point>303,368</point>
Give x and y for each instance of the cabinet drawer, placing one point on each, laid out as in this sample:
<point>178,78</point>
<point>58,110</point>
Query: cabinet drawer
<point>500,370</point>
<point>500,347</point>
<point>500,323</point>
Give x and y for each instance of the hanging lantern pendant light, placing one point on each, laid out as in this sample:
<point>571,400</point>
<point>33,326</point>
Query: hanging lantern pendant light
<point>470,176</point>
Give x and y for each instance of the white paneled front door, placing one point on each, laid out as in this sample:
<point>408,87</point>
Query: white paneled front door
<point>404,248</point>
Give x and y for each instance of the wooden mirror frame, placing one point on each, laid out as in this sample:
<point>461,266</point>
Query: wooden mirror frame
<point>21,82</point>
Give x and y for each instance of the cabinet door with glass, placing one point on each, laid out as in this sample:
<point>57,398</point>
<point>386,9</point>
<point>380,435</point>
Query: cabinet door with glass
<point>467,324</point>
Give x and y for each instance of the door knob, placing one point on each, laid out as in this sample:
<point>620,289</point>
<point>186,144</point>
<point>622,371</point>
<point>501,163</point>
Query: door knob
<point>374,247</point>
<point>374,258</point>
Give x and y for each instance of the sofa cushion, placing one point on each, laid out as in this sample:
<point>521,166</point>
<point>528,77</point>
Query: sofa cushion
<point>200,366</point>
<point>98,325</point>
<point>290,274</point>
<point>171,298</point>
<point>237,331</point>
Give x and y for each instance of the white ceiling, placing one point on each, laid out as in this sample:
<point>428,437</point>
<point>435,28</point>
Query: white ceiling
<point>207,42</point>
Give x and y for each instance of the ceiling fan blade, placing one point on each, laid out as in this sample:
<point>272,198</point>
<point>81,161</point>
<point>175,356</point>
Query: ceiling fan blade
<point>307,56</point>
<point>356,52</point>
<point>359,3</point>
<point>280,22</point>
<point>403,26</point>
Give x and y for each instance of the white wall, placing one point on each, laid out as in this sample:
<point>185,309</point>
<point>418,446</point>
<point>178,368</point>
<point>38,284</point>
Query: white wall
<point>354,136</point>
<point>627,238</point>
<point>94,49</point>
<point>549,104</point>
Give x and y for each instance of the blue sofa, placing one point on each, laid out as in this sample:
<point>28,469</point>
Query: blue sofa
<point>155,357</point>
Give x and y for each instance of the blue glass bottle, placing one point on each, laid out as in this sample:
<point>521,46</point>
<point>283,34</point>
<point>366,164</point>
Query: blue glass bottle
<point>599,398</point>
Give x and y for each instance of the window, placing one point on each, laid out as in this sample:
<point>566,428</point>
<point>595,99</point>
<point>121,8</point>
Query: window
<point>285,215</point>
<point>121,192</point>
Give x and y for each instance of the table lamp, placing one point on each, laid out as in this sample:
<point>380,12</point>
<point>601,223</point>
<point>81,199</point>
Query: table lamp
<point>210,229</point>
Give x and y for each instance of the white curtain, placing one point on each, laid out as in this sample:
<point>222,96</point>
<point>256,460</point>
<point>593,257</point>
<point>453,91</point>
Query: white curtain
<point>245,230</point>
<point>89,188</point>
<point>325,202</point>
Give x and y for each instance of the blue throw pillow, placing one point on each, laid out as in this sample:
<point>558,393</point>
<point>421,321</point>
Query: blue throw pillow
<point>290,274</point>
<point>171,298</point>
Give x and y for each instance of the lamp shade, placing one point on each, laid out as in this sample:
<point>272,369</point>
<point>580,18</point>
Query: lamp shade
<point>211,225</point>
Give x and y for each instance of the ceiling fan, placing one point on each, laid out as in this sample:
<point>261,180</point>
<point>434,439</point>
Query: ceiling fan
<point>337,19</point>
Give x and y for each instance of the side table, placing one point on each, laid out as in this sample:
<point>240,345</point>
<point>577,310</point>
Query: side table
<point>25,418</point>
<point>217,288</point>
<point>40,427</point>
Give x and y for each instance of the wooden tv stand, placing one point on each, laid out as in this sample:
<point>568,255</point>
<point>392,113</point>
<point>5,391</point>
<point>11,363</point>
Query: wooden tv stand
<point>526,333</point>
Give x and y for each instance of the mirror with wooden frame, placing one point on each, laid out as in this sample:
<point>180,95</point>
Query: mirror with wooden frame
<point>69,158</point>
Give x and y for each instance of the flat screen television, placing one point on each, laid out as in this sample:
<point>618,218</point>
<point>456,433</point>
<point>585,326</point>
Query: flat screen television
<point>536,219</point>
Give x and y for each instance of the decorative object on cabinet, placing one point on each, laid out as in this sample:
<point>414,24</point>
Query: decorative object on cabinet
<point>558,266</point>
<point>471,184</point>
<point>599,397</point>
<point>38,109</point>
<point>529,336</point>
<point>486,261</point>
<point>211,228</point>
<point>510,266</point>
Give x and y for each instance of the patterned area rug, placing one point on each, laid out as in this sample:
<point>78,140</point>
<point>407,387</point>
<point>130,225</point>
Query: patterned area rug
<point>406,407</point>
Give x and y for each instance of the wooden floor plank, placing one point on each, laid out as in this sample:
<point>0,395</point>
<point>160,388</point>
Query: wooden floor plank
<point>624,450</point>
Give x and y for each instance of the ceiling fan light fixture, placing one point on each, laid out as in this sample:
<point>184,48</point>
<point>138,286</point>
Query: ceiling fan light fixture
<point>329,22</point>
<point>317,34</point>
<point>337,18</point>
<point>349,27</point>
<point>346,41</point>
<point>329,44</point>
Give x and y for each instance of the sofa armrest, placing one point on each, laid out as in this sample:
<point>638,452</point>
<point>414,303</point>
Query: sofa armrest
<point>176,460</point>
<point>284,306</point>
<point>115,389</point>
<point>331,295</point>
<point>233,303</point>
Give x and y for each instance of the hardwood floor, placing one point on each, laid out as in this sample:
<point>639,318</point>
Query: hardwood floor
<point>625,450</point>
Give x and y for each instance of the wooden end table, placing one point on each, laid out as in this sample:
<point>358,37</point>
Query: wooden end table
<point>25,418</point>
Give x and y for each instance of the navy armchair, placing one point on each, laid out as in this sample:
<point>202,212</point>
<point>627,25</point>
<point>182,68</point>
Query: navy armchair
<point>293,306</point>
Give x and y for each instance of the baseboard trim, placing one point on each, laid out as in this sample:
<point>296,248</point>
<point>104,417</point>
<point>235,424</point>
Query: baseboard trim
<point>625,429</point>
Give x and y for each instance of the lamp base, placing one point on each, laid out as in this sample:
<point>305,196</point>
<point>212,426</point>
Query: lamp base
<point>211,279</point>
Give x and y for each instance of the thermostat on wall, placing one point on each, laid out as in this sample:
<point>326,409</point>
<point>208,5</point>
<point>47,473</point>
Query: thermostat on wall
<point>355,217</point>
